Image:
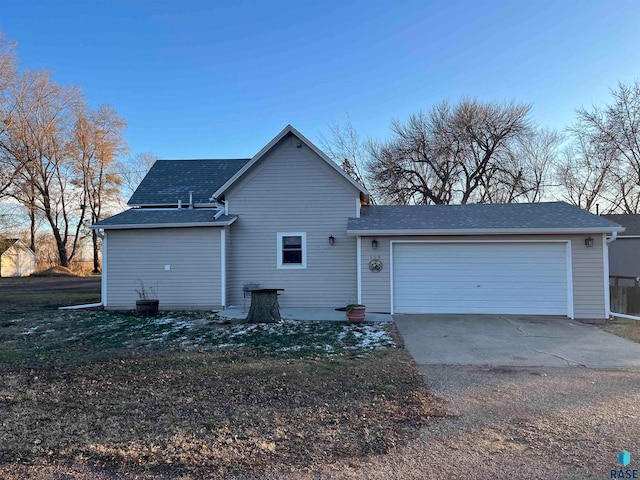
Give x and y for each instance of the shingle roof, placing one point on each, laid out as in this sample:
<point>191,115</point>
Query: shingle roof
<point>493,218</point>
<point>6,244</point>
<point>151,218</point>
<point>631,223</point>
<point>171,180</point>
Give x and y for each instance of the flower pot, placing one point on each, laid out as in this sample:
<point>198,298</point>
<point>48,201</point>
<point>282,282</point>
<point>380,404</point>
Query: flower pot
<point>356,314</point>
<point>147,308</point>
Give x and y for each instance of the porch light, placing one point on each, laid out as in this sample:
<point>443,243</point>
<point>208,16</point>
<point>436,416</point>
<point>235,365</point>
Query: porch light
<point>374,244</point>
<point>331,240</point>
<point>588,242</point>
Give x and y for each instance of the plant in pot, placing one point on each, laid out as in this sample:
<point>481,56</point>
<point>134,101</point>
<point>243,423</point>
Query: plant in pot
<point>355,312</point>
<point>147,303</point>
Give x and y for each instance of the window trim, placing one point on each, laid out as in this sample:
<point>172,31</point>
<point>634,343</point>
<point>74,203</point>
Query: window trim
<point>279,246</point>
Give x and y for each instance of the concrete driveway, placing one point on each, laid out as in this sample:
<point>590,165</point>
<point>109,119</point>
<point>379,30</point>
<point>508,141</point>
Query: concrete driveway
<point>518,341</point>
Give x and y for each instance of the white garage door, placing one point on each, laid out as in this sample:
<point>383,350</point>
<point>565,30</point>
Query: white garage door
<point>508,278</point>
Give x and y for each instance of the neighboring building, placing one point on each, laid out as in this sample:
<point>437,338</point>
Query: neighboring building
<point>200,230</point>
<point>16,259</point>
<point>624,253</point>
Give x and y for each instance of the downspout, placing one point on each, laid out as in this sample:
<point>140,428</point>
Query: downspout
<point>614,235</point>
<point>102,280</point>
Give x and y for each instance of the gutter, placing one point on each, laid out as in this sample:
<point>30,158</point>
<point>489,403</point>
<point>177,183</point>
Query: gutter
<point>482,231</point>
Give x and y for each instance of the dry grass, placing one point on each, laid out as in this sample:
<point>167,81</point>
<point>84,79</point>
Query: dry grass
<point>97,395</point>
<point>208,415</point>
<point>623,327</point>
<point>56,271</point>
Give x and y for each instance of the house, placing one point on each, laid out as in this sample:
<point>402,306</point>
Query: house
<point>624,253</point>
<point>200,230</point>
<point>16,258</point>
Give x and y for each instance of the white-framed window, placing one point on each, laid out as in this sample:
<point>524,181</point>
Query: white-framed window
<point>292,250</point>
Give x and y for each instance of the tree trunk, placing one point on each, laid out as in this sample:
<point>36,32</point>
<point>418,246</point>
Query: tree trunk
<point>32,227</point>
<point>96,260</point>
<point>264,307</point>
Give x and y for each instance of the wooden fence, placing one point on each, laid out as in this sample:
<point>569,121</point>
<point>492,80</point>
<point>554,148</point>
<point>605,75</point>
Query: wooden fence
<point>625,299</point>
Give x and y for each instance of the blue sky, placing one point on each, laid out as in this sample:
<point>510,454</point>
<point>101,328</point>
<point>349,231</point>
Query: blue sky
<point>219,79</point>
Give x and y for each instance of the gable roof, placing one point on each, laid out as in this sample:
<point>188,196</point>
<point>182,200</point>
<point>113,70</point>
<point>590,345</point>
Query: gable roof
<point>165,218</point>
<point>517,218</point>
<point>256,158</point>
<point>631,223</point>
<point>171,180</point>
<point>6,244</point>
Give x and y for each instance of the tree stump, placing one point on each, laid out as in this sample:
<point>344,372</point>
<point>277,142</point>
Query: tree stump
<point>264,306</point>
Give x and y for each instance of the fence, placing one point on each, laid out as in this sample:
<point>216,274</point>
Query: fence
<point>625,299</point>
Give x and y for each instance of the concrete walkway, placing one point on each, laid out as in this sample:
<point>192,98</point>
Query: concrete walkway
<point>306,314</point>
<point>519,341</point>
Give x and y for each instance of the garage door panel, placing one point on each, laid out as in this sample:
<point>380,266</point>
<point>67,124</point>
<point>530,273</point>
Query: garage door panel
<point>518,278</point>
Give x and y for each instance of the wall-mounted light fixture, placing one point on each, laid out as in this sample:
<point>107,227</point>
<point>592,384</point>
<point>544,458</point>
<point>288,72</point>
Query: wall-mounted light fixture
<point>374,244</point>
<point>331,240</point>
<point>588,242</point>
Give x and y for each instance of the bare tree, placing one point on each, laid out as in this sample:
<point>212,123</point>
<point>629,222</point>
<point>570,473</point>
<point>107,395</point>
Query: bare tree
<point>38,144</point>
<point>585,173</point>
<point>7,105</point>
<point>346,149</point>
<point>98,141</point>
<point>448,154</point>
<point>617,124</point>
<point>132,171</point>
<point>524,169</point>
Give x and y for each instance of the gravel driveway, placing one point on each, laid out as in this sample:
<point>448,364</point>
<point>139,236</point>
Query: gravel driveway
<point>561,420</point>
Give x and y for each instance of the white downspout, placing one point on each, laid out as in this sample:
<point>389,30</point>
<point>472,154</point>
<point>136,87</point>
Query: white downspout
<point>103,279</point>
<point>614,235</point>
<point>103,276</point>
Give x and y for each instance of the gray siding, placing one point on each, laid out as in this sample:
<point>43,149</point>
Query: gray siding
<point>293,190</point>
<point>587,265</point>
<point>624,257</point>
<point>194,281</point>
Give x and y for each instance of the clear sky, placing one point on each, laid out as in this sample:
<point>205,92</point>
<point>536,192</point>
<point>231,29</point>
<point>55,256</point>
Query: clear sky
<point>206,79</point>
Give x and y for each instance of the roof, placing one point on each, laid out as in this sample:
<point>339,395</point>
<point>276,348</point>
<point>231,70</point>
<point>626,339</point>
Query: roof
<point>164,218</point>
<point>171,180</point>
<point>6,244</point>
<point>289,129</point>
<point>551,217</point>
<point>631,223</point>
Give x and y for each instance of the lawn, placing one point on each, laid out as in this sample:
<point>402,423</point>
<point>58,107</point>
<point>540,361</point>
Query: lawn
<point>623,327</point>
<point>90,394</point>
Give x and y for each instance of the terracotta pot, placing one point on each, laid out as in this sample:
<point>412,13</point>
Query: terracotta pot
<point>356,315</point>
<point>147,308</point>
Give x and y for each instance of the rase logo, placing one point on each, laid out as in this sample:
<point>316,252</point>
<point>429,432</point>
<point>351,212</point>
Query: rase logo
<point>624,459</point>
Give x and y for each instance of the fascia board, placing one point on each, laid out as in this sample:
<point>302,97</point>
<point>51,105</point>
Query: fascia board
<point>485,231</point>
<point>163,225</point>
<point>270,145</point>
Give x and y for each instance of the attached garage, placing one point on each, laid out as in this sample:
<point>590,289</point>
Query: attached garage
<point>509,277</point>
<point>511,259</point>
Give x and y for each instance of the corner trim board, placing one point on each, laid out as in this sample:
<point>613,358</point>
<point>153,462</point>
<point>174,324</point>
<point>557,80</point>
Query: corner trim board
<point>223,267</point>
<point>359,267</point>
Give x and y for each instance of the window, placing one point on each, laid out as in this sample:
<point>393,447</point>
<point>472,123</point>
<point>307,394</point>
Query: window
<point>292,250</point>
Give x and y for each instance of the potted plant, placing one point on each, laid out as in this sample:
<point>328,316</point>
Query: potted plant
<point>355,312</point>
<point>147,303</point>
